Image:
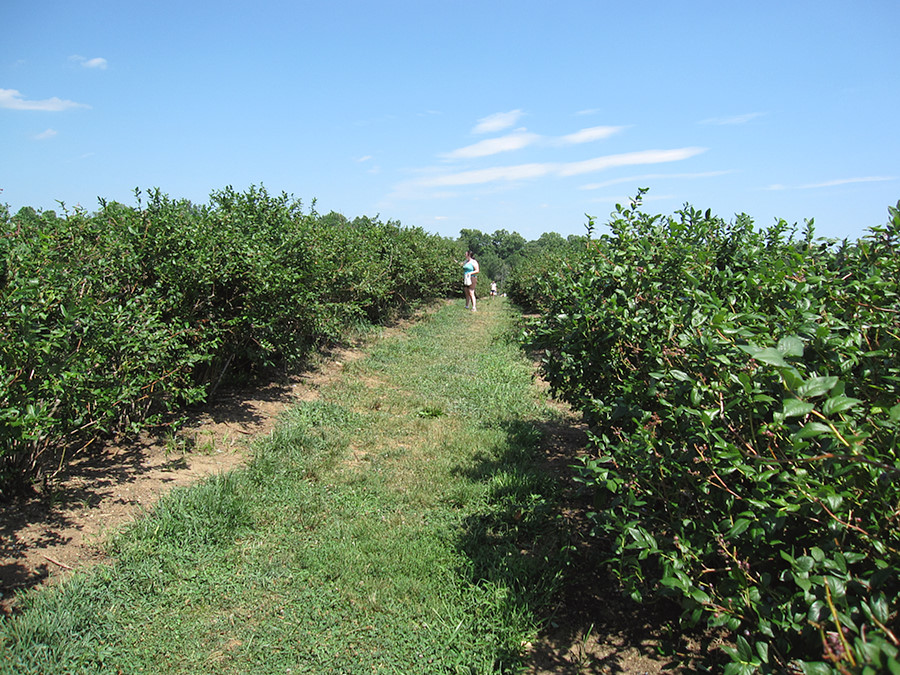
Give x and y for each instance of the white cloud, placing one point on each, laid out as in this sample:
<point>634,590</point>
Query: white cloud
<point>491,175</point>
<point>492,146</point>
<point>847,181</point>
<point>497,122</point>
<point>627,159</point>
<point>44,135</point>
<point>366,159</point>
<point>832,183</point>
<point>97,62</point>
<point>538,170</point>
<point>12,99</point>
<point>734,119</point>
<point>652,176</point>
<point>588,135</point>
<point>521,139</point>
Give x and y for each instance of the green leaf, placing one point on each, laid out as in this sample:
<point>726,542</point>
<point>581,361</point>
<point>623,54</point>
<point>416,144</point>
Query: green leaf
<point>744,648</point>
<point>816,610</point>
<point>699,595</point>
<point>834,501</point>
<point>793,380</point>
<point>812,429</point>
<point>672,582</point>
<point>837,404</point>
<point>817,386</point>
<point>804,563</point>
<point>804,583</point>
<point>740,525</point>
<point>880,608</point>
<point>769,355</point>
<point>796,408</point>
<point>838,586</point>
<point>790,346</point>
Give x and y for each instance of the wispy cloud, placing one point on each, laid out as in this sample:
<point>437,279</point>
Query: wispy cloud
<point>652,176</point>
<point>832,183</point>
<point>497,122</point>
<point>522,138</point>
<point>490,175</point>
<point>97,62</point>
<point>588,135</point>
<point>627,159</point>
<point>493,146</point>
<point>733,119</point>
<point>538,170</point>
<point>12,99</point>
<point>44,135</point>
<point>367,159</point>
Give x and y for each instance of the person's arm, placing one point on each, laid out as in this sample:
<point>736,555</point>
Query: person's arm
<point>477,268</point>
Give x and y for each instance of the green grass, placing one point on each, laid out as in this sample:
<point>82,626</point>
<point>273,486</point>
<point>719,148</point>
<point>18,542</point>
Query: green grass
<point>398,524</point>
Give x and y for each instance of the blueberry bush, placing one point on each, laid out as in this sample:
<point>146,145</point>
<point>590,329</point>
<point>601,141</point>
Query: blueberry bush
<point>742,387</point>
<point>112,321</point>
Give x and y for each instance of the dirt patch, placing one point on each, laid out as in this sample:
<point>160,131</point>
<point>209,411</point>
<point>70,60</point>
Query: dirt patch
<point>60,528</point>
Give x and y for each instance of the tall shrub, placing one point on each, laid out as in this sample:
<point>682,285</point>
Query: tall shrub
<point>86,349</point>
<point>110,321</point>
<point>743,390</point>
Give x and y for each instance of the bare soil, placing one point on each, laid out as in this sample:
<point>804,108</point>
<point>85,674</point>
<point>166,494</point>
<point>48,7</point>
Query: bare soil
<point>591,630</point>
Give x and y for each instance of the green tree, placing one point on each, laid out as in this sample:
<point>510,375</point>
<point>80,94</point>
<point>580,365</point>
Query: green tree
<point>475,241</point>
<point>506,244</point>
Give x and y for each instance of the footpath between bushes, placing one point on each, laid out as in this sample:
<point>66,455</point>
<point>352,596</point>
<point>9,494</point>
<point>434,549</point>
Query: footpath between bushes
<point>414,517</point>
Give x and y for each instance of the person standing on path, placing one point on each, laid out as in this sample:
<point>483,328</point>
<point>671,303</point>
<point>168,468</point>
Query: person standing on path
<point>470,276</point>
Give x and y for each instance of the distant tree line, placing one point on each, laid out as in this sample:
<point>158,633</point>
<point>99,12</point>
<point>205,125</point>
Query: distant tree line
<point>500,254</point>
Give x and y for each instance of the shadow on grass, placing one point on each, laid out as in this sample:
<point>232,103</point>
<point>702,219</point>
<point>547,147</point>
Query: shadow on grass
<point>534,540</point>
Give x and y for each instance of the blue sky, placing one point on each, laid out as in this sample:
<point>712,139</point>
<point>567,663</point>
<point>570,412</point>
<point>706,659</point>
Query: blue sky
<point>522,115</point>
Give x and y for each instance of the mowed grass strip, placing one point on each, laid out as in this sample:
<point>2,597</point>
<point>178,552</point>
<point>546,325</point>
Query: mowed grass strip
<point>398,524</point>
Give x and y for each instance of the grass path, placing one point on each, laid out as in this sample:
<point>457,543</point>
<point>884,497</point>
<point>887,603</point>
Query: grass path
<point>398,524</point>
